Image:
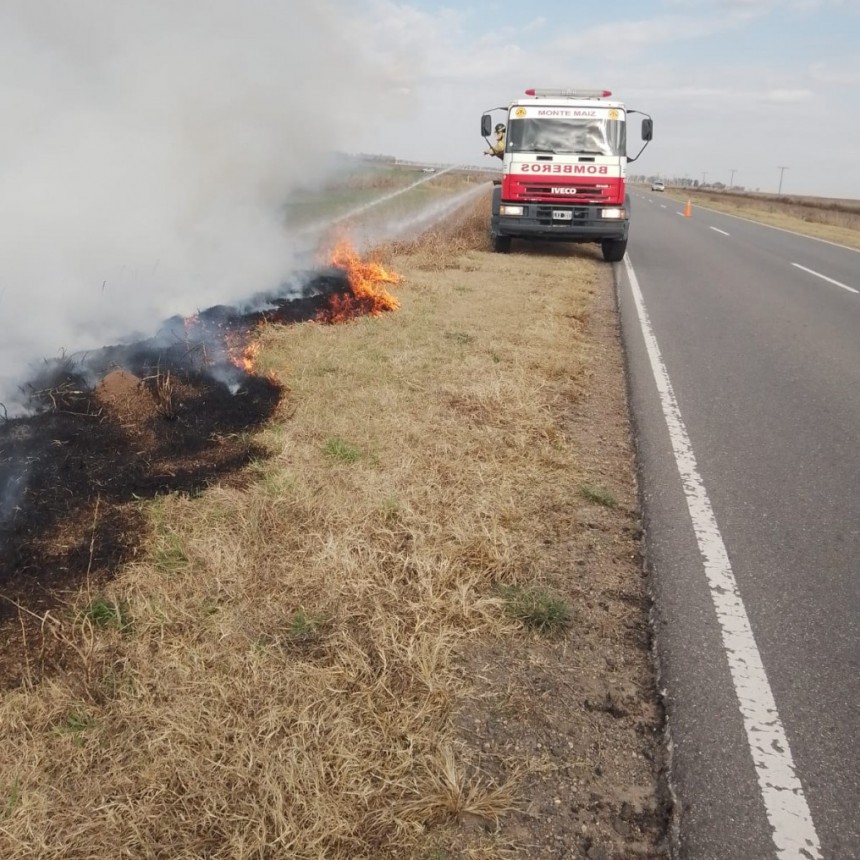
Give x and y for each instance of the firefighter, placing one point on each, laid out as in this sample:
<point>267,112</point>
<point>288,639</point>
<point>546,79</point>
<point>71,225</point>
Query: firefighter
<point>498,148</point>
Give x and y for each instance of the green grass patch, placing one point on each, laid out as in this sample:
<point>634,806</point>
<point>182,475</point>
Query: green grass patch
<point>276,483</point>
<point>304,626</point>
<point>391,510</point>
<point>103,612</point>
<point>598,495</point>
<point>76,722</point>
<point>460,337</point>
<point>340,451</point>
<point>538,609</point>
<point>210,606</point>
<point>170,555</point>
<point>13,797</point>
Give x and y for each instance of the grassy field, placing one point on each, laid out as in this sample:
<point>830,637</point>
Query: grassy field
<point>285,668</point>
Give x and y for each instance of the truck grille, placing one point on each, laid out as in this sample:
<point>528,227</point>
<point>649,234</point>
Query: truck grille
<point>583,191</point>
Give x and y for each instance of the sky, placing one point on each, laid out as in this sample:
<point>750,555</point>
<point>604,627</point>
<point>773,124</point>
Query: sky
<point>733,85</point>
<point>148,146</point>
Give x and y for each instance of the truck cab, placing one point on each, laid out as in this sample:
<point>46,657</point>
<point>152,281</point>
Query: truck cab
<point>564,171</point>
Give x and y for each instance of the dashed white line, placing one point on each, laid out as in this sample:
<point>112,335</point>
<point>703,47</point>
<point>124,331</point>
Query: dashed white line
<point>793,831</point>
<point>780,229</point>
<point>825,278</point>
<point>680,213</point>
<point>717,230</point>
<point>662,205</point>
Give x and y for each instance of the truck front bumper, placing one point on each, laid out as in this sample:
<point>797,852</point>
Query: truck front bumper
<point>585,224</point>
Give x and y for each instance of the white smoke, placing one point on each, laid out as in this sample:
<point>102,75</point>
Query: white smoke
<point>405,226</point>
<point>149,147</point>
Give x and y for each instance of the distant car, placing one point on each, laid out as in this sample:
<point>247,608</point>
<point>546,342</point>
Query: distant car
<point>657,185</point>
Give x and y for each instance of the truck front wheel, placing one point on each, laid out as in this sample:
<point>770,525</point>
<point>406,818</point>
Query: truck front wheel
<point>501,244</point>
<point>613,250</point>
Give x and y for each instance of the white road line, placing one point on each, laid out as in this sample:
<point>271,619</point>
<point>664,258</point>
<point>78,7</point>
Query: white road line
<point>680,213</point>
<point>717,230</point>
<point>662,205</point>
<point>781,229</point>
<point>825,278</point>
<point>793,833</point>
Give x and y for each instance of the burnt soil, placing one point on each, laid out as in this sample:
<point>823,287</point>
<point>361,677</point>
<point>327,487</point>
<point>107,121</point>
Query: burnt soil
<point>169,414</point>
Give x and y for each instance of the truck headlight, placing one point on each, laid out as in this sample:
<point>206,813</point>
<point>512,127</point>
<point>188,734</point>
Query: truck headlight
<point>613,213</point>
<point>510,210</point>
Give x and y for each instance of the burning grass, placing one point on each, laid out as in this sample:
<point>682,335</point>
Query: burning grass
<point>277,673</point>
<point>368,294</point>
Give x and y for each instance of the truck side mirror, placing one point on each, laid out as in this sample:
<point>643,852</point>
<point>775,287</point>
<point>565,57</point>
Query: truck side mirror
<point>647,129</point>
<point>486,125</point>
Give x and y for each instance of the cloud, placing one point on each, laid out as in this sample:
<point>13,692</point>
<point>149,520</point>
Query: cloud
<point>631,38</point>
<point>835,75</point>
<point>788,96</point>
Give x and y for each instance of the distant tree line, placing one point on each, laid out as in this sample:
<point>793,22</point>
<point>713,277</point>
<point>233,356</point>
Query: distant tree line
<point>684,182</point>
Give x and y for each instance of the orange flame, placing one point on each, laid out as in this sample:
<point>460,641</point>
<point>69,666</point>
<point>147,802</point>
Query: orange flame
<point>247,358</point>
<point>367,294</point>
<point>242,353</point>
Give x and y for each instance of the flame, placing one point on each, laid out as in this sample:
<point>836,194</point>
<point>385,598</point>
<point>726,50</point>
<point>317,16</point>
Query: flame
<point>242,352</point>
<point>247,358</point>
<point>367,293</point>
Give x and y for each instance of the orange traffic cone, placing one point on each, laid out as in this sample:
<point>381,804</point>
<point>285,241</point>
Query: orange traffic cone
<point>688,211</point>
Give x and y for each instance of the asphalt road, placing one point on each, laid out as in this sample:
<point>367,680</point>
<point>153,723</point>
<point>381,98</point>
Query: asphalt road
<point>763,359</point>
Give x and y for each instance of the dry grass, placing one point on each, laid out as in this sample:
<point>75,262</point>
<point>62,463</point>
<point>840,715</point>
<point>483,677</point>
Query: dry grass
<point>282,683</point>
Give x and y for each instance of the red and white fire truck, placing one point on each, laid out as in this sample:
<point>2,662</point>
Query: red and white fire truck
<point>564,170</point>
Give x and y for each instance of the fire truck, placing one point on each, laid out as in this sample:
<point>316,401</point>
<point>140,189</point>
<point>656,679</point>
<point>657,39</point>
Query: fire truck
<point>563,170</point>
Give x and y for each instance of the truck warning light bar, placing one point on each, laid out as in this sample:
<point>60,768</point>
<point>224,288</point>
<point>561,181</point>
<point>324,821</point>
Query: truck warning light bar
<point>568,94</point>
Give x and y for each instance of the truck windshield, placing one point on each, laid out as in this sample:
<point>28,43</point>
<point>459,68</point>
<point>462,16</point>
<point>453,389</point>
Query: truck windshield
<point>592,136</point>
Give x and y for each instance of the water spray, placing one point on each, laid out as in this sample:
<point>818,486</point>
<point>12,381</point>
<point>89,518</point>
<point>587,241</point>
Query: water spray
<point>360,210</point>
<point>421,220</point>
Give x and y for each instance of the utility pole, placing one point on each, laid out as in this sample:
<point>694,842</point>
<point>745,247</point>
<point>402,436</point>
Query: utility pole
<point>781,171</point>
<point>734,170</point>
<point>704,174</point>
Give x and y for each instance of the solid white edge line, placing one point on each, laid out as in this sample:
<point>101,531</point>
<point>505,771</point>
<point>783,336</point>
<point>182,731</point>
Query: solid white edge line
<point>793,833</point>
<point>825,278</point>
<point>717,230</point>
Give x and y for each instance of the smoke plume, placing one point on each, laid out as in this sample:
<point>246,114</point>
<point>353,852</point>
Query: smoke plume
<point>149,149</point>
